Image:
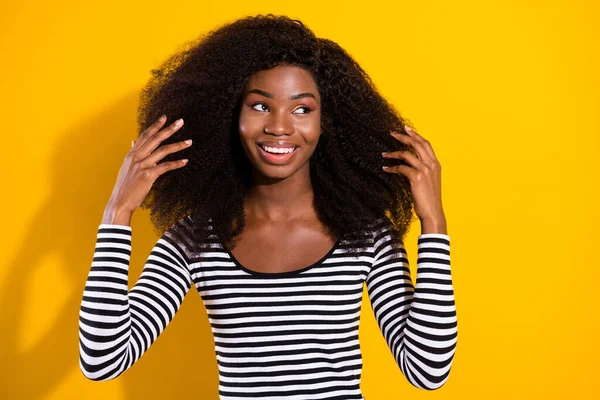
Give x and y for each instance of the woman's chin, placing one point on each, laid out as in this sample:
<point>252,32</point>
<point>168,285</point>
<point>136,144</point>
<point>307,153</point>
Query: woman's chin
<point>276,172</point>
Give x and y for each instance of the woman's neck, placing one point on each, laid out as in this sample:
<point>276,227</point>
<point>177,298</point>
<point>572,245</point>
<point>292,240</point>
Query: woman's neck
<point>280,200</point>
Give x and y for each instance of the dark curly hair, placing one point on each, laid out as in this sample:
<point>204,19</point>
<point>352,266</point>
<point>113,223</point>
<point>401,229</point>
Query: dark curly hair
<point>203,82</point>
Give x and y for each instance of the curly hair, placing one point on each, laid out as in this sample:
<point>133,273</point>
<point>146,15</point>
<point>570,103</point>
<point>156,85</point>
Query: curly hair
<point>203,83</point>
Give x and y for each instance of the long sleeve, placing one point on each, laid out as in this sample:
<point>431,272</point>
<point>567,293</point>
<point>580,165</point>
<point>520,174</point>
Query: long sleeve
<point>418,322</point>
<point>117,326</point>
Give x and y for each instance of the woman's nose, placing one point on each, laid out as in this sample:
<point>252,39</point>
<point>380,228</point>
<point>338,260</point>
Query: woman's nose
<point>279,124</point>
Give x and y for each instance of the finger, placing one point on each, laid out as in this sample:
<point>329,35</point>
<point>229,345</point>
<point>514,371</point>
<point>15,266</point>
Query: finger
<point>152,129</point>
<point>409,157</point>
<point>409,172</point>
<point>421,139</point>
<point>415,144</point>
<point>169,166</point>
<point>163,151</point>
<point>155,140</point>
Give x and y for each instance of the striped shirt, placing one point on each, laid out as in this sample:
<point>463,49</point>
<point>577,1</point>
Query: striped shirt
<point>290,335</point>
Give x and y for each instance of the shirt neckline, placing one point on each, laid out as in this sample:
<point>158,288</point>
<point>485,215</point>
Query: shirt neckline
<point>277,274</point>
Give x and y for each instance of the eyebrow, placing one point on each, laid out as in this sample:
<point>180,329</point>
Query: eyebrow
<point>271,96</point>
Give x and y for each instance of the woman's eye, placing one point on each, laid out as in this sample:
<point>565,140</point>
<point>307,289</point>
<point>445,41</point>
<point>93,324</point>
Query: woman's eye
<point>263,107</point>
<point>259,104</point>
<point>305,108</point>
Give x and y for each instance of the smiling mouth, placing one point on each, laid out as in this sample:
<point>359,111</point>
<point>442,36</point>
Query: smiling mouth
<point>276,158</point>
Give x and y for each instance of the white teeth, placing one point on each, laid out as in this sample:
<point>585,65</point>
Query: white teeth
<point>278,150</point>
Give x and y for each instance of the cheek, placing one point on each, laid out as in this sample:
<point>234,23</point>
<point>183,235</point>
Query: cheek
<point>245,126</point>
<point>311,128</point>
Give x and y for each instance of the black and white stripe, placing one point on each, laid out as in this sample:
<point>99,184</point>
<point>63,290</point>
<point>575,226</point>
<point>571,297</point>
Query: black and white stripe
<point>277,336</point>
<point>418,322</point>
<point>116,326</point>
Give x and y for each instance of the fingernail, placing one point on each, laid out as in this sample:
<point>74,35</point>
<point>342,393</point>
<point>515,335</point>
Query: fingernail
<point>384,153</point>
<point>406,127</point>
<point>179,122</point>
<point>163,117</point>
<point>188,141</point>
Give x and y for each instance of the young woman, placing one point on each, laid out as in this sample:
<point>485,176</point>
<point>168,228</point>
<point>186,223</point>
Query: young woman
<point>281,215</point>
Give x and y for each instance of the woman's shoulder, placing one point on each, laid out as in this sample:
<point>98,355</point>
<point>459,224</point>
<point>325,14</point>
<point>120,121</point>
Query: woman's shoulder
<point>179,233</point>
<point>187,231</point>
<point>380,225</point>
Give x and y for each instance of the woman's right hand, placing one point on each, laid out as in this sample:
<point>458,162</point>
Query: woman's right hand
<point>141,169</point>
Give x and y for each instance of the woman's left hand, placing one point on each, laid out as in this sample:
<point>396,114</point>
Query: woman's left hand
<point>424,174</point>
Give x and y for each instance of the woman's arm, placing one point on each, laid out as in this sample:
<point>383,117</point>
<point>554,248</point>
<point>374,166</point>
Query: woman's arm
<point>418,323</point>
<point>117,325</point>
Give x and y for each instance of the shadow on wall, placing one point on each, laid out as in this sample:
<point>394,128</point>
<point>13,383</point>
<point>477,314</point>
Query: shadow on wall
<point>84,170</point>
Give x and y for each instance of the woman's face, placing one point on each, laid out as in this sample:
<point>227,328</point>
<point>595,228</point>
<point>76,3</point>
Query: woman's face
<point>281,111</point>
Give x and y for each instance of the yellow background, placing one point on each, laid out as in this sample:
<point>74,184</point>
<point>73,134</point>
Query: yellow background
<point>507,92</point>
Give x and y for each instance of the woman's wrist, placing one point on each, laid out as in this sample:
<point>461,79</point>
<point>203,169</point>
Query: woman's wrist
<point>117,215</point>
<point>434,225</point>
